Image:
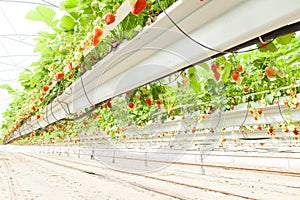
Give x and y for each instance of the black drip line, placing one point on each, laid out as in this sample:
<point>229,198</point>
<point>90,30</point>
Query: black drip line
<point>205,46</point>
<point>280,112</point>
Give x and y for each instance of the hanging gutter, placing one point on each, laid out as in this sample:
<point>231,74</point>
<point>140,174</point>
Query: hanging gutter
<point>161,49</point>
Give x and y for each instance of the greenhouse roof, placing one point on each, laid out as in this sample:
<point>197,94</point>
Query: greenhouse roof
<point>17,41</point>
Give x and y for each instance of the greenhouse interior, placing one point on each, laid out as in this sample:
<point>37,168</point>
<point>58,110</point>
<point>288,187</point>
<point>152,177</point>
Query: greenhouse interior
<point>149,99</point>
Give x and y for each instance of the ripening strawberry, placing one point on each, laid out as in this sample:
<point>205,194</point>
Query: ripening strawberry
<point>138,97</point>
<point>232,107</point>
<point>215,68</point>
<point>96,41</point>
<point>193,130</point>
<point>271,72</point>
<point>239,68</point>
<point>286,103</point>
<point>138,7</point>
<point>251,111</point>
<point>109,18</point>
<point>235,75</point>
<point>246,89</point>
<point>59,76</point>
<point>97,33</point>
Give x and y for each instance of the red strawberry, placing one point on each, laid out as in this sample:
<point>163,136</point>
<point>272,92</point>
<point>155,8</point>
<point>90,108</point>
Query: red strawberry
<point>260,128</point>
<point>70,76</point>
<point>235,75</point>
<point>286,130</point>
<point>215,68</point>
<point>130,105</point>
<point>158,103</point>
<point>138,7</point>
<point>256,118</point>
<point>271,131</point>
<point>70,66</point>
<point>46,88</point>
<point>148,102</point>
<point>246,89</point>
<point>108,104</point>
<point>109,18</point>
<point>259,111</point>
<point>59,76</point>
<point>296,132</point>
<point>271,71</point>
<point>50,83</point>
<point>239,68</point>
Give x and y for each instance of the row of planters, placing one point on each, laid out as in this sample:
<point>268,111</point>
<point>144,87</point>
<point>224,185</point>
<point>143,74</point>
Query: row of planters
<point>265,74</point>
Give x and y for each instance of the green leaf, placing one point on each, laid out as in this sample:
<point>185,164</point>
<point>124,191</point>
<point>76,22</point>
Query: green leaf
<point>204,66</point>
<point>205,71</point>
<point>286,39</point>
<point>269,98</point>
<point>9,89</point>
<point>69,4</point>
<point>294,59</point>
<point>270,47</point>
<point>46,35</point>
<point>226,72</point>
<point>67,22</point>
<point>40,46</point>
<point>194,79</point>
<point>42,13</point>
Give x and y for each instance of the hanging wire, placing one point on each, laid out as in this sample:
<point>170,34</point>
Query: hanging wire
<point>61,102</point>
<point>46,117</point>
<point>27,2</point>
<point>51,108</point>
<point>85,92</point>
<point>203,45</point>
<point>38,123</point>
